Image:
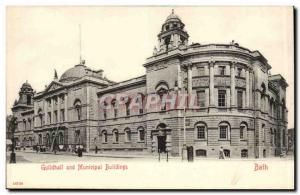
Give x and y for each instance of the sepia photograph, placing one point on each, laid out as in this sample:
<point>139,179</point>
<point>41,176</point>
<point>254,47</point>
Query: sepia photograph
<point>157,97</point>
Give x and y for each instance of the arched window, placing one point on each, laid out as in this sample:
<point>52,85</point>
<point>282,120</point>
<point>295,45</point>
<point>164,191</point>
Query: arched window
<point>77,105</point>
<point>141,134</point>
<point>115,107</point>
<point>104,110</point>
<point>243,130</point>
<point>115,136</point>
<point>227,153</point>
<point>244,153</point>
<point>40,139</point>
<point>201,131</point>
<point>104,136</point>
<point>224,131</point>
<point>60,138</point>
<point>162,89</point>
<point>127,135</point>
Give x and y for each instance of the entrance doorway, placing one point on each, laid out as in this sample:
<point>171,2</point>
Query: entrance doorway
<point>161,140</point>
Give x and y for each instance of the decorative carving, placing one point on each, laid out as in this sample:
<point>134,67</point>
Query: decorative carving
<point>53,87</point>
<point>200,82</point>
<point>222,81</point>
<point>240,83</point>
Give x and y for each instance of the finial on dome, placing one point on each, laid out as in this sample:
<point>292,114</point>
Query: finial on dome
<point>172,11</point>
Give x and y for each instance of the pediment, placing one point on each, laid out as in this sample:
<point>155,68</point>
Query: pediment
<point>53,86</point>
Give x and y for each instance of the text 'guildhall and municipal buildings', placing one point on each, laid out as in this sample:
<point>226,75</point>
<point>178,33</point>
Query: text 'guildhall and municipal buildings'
<point>231,101</point>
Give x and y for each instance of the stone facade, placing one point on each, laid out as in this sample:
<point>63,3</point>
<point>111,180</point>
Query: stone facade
<point>242,108</point>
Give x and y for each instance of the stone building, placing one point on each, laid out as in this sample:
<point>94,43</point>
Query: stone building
<point>241,107</point>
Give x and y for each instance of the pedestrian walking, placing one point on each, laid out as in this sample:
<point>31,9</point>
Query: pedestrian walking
<point>221,153</point>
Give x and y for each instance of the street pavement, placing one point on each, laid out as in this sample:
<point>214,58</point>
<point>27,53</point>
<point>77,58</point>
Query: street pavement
<point>33,157</point>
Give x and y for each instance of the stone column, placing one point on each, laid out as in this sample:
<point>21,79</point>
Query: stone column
<point>46,111</point>
<point>189,76</point>
<point>247,89</point>
<point>154,144</point>
<point>168,142</point>
<point>211,84</point>
<point>66,107</point>
<point>58,109</point>
<point>232,85</point>
<point>52,110</point>
<point>35,115</point>
<point>250,89</point>
<point>190,87</point>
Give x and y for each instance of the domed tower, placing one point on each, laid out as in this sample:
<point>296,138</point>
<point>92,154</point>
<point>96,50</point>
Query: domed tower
<point>26,94</point>
<point>172,34</point>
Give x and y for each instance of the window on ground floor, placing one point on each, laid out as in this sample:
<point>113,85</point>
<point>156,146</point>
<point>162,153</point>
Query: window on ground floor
<point>201,130</point>
<point>244,153</point>
<point>201,152</point>
<point>141,132</point>
<point>224,131</point>
<point>227,153</point>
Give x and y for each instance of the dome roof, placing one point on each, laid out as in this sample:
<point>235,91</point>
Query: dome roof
<point>26,85</point>
<point>79,71</point>
<point>173,17</point>
<point>74,73</point>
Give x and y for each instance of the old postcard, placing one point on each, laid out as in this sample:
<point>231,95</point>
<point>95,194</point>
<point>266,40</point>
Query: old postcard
<point>150,97</point>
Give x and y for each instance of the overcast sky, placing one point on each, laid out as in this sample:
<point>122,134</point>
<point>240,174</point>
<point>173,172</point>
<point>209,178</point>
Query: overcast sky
<point>119,39</point>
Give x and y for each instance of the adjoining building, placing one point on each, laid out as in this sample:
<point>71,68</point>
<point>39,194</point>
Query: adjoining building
<point>241,107</point>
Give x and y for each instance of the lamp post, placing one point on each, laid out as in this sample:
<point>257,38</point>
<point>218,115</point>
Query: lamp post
<point>12,126</point>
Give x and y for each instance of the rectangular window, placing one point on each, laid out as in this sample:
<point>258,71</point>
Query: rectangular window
<point>201,153</point>
<point>239,72</point>
<point>239,99</point>
<point>223,132</point>
<point>221,98</point>
<point>49,117</point>
<point>242,128</point>
<point>55,116</point>
<point>142,135</point>
<point>62,115</point>
<point>222,70</point>
<point>200,71</point>
<point>128,136</point>
<point>201,98</point>
<point>49,102</point>
<point>201,132</point>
